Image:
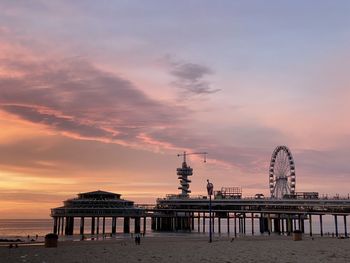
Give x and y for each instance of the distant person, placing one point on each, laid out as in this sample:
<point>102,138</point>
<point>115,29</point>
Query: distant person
<point>137,239</point>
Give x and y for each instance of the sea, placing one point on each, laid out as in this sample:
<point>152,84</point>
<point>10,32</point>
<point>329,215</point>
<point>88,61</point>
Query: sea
<point>22,228</point>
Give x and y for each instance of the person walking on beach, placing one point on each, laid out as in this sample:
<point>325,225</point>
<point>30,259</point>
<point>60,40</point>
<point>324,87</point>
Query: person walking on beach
<point>137,239</point>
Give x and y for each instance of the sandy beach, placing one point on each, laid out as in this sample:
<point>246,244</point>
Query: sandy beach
<point>187,249</point>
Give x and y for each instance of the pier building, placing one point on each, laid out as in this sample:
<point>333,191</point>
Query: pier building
<point>96,206</point>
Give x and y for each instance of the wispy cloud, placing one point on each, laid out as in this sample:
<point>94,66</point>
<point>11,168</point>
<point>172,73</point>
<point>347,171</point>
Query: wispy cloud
<point>79,100</point>
<point>191,77</point>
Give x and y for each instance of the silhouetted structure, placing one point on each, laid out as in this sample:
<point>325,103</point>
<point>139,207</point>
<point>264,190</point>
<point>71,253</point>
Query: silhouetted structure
<point>95,206</point>
<point>285,212</point>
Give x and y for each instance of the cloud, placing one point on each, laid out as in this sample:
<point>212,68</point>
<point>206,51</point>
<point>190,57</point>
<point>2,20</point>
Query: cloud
<point>191,77</point>
<point>81,101</point>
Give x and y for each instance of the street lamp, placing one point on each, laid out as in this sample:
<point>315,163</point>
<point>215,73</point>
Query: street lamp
<point>210,188</point>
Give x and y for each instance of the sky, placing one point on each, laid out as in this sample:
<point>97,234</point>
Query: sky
<point>105,94</point>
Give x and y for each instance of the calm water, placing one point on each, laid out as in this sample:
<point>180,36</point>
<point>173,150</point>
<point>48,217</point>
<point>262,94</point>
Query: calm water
<point>23,227</point>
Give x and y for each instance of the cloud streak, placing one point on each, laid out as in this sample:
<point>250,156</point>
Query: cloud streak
<point>76,98</point>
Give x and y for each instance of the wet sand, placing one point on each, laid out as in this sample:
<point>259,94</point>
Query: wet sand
<point>187,249</point>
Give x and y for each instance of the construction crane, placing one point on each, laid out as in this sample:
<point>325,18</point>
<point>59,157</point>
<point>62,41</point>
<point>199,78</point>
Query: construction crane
<point>185,171</point>
<point>185,154</point>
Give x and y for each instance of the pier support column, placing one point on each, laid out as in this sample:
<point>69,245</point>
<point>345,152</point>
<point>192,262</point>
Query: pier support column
<point>144,225</point>
<point>282,225</point>
<point>114,225</point>
<point>103,225</point>
<point>192,221</point>
<point>310,224</point>
<point>244,221</point>
<point>235,224</point>
<point>55,225</point>
<point>239,225</point>
<point>71,229</point>
<point>93,225</point>
<point>345,227</point>
<point>66,227</point>
<point>62,227</point>
<point>289,225</point>
<point>269,223</point>
<point>137,225</point>
<point>153,223</point>
<point>303,225</point>
<point>261,224</point>
<point>321,226</point>
<point>336,225</point>
<point>219,224</point>
<point>203,222</point>
<point>276,224</point>
<point>252,215</point>
<point>157,223</point>
<point>59,226</point>
<point>199,222</point>
<point>126,225</point>
<point>98,225</point>
<point>69,225</point>
<point>177,222</point>
<point>82,226</point>
<point>228,223</point>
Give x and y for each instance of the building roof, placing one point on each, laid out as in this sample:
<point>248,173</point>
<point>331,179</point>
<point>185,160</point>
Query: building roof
<point>99,195</point>
<point>99,192</point>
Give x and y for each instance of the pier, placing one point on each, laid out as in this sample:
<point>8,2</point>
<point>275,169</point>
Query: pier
<point>274,215</point>
<point>176,213</point>
<point>285,211</point>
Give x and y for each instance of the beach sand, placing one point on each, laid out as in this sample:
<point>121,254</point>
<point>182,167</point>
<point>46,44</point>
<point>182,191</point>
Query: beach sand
<point>187,249</point>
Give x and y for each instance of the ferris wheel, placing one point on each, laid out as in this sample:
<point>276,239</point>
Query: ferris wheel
<point>282,172</point>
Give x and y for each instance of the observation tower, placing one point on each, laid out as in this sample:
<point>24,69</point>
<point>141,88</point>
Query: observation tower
<point>183,173</point>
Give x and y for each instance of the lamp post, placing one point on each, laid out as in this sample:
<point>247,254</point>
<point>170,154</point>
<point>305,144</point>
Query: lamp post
<point>210,192</point>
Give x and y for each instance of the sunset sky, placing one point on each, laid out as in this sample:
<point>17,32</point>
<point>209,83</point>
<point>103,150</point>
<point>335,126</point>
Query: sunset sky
<point>104,94</point>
